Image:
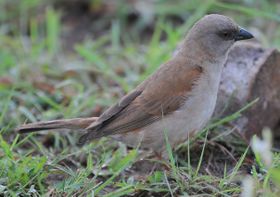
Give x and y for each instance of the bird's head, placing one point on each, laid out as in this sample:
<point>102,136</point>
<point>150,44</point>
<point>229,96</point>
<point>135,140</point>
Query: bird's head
<point>215,34</point>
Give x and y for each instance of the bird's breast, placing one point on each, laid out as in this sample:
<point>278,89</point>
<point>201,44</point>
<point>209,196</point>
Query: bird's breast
<point>188,119</point>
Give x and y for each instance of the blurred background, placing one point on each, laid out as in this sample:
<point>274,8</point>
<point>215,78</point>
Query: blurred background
<point>79,55</point>
<point>74,58</point>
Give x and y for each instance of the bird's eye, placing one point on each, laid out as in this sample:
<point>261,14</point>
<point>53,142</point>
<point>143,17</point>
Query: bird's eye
<point>226,35</point>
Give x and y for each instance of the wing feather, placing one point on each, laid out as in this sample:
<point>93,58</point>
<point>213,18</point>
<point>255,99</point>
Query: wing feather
<point>147,104</point>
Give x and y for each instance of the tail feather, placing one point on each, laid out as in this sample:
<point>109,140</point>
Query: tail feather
<point>75,123</point>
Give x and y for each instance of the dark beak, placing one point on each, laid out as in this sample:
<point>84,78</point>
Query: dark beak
<point>243,35</point>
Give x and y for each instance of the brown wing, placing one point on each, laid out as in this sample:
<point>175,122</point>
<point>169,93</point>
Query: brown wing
<point>118,107</point>
<point>160,95</point>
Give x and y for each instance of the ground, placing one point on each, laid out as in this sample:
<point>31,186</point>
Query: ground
<point>64,59</point>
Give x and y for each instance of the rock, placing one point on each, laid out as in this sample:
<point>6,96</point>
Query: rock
<point>251,72</point>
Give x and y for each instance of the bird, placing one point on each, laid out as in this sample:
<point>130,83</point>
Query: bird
<point>174,102</point>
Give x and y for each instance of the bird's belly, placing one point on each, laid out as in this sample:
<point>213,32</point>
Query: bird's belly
<point>190,118</point>
<point>186,121</point>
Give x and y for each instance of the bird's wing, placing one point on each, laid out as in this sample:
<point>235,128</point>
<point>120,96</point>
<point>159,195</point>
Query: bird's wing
<point>161,95</point>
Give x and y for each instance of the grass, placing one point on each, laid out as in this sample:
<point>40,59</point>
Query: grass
<point>44,76</point>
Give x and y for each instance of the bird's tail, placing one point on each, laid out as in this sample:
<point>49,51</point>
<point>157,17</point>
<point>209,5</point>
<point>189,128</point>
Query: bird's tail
<point>75,123</point>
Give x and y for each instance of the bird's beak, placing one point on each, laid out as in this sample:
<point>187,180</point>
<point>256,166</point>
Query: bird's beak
<point>243,35</point>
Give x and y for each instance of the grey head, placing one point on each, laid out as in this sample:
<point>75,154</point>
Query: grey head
<point>215,34</point>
